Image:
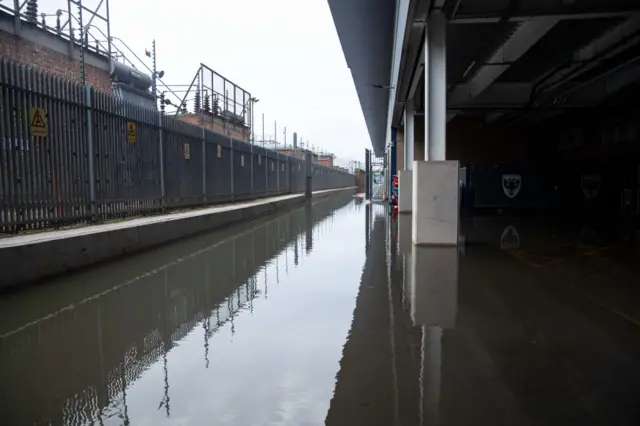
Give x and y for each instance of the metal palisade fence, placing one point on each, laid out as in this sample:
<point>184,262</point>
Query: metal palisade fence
<point>70,154</point>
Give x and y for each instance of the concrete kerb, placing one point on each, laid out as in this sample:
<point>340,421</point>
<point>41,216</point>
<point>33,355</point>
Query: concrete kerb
<point>29,258</point>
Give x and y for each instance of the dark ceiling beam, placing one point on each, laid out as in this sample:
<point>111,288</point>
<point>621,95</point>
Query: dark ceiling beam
<point>526,35</point>
<point>497,93</point>
<point>590,56</point>
<point>524,108</point>
<point>521,16</point>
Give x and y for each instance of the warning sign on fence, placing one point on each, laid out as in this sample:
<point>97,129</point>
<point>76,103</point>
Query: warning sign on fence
<point>132,131</point>
<point>38,122</point>
<point>187,151</point>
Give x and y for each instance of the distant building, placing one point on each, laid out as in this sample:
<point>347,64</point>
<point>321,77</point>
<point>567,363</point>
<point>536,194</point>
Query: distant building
<point>289,150</point>
<point>326,160</point>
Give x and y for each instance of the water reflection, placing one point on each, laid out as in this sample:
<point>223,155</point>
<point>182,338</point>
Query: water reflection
<point>108,345</point>
<point>391,365</point>
<point>330,314</point>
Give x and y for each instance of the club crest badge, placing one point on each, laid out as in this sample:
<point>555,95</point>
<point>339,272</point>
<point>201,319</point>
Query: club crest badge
<point>590,185</point>
<point>511,184</point>
<point>510,239</point>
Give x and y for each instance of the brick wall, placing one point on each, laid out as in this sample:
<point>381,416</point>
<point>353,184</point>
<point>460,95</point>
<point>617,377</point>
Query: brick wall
<point>325,160</point>
<point>49,60</point>
<point>217,125</point>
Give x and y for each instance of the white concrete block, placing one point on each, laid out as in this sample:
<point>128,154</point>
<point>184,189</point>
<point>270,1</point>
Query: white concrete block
<point>434,286</point>
<point>405,189</point>
<point>436,211</point>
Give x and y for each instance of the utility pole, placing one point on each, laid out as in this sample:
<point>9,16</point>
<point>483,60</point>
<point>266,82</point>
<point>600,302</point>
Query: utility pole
<point>253,132</point>
<point>263,130</point>
<point>285,137</point>
<point>82,37</point>
<point>275,132</point>
<point>154,84</point>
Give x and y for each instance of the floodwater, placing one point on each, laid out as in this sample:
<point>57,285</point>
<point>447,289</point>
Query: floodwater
<point>327,315</point>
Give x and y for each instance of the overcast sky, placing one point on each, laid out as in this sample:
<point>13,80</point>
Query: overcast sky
<point>284,52</point>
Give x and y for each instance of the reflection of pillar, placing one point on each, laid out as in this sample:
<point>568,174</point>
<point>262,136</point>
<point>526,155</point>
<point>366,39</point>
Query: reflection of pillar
<point>277,249</point>
<point>434,303</point>
<point>391,256</point>
<point>430,372</point>
<point>103,390</point>
<point>166,335</point>
<point>206,324</point>
<point>295,251</point>
<point>404,250</point>
<point>266,287</point>
<point>233,260</point>
<point>434,286</point>
<point>253,265</point>
<point>308,230</point>
<point>367,225</point>
<point>123,380</point>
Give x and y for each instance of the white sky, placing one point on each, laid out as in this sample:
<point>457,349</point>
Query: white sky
<point>284,52</point>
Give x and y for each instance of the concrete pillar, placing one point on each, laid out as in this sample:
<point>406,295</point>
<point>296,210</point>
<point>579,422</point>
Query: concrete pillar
<point>405,181</point>
<point>400,150</point>
<point>435,180</point>
<point>409,134</point>
<point>392,161</point>
<point>437,87</point>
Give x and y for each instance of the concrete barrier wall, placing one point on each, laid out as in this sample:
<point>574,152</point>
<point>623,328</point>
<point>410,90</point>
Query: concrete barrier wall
<point>32,257</point>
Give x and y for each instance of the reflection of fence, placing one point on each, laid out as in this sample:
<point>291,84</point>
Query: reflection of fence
<point>71,154</point>
<point>114,334</point>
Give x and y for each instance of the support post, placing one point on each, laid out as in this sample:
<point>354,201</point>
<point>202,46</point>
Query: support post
<point>308,178</point>
<point>437,82</point>
<point>366,173</point>
<point>154,83</point>
<point>17,24</point>
<point>161,159</point>
<point>233,191</point>
<point>204,164</point>
<point>90,153</point>
<point>392,161</point>
<point>435,204</point>
<point>405,177</point>
<point>278,168</point>
<point>409,134</point>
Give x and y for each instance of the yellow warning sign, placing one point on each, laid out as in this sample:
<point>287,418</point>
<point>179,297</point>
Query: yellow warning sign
<point>132,131</point>
<point>187,151</point>
<point>38,122</point>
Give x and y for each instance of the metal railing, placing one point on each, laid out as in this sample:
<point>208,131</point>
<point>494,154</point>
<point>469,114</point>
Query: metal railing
<point>70,154</point>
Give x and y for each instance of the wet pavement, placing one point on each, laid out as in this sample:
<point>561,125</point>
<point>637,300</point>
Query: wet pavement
<point>326,315</point>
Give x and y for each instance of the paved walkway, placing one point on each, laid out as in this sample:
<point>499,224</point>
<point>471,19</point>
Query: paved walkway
<point>19,240</point>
